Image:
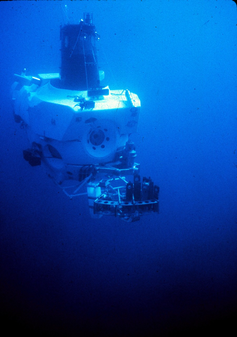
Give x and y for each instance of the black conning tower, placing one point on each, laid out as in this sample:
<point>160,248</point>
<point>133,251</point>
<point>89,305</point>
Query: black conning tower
<point>79,67</point>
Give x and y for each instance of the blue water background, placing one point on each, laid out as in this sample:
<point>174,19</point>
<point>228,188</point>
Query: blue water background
<point>62,272</point>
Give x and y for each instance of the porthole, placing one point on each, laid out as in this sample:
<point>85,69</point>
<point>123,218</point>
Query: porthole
<point>97,137</point>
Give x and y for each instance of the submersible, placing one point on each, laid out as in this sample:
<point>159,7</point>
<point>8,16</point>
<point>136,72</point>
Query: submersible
<point>80,130</point>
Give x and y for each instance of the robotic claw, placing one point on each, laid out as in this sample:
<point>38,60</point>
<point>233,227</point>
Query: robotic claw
<point>79,129</point>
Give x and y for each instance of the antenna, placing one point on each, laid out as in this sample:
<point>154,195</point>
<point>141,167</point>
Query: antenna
<point>65,14</point>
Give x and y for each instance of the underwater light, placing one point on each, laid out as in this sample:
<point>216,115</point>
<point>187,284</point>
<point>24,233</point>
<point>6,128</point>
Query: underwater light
<point>80,131</point>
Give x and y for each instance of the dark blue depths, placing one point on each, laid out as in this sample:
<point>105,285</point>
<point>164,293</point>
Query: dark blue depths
<point>63,273</point>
